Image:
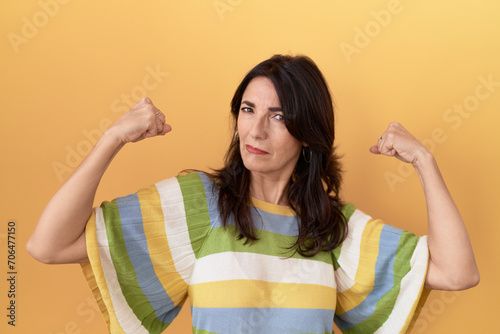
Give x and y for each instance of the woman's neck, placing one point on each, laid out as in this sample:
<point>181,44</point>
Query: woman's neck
<point>269,189</point>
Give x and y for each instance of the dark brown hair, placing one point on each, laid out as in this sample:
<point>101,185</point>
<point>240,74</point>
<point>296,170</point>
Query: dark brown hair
<point>315,184</point>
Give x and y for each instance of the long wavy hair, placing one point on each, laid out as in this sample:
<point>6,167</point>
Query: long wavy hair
<point>313,192</point>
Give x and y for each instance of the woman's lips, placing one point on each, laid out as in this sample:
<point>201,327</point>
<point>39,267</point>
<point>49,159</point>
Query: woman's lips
<point>255,150</point>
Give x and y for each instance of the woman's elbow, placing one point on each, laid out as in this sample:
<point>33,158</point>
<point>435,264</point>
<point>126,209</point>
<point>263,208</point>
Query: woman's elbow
<point>38,253</point>
<point>46,253</point>
<point>465,282</point>
<point>451,279</point>
<point>474,280</point>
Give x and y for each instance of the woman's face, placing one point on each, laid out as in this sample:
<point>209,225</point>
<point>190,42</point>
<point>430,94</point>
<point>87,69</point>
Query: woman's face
<point>266,145</point>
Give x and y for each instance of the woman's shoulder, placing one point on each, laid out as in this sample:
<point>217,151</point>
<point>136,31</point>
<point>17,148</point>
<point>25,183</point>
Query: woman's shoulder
<point>358,220</point>
<point>347,210</point>
<point>190,182</point>
<point>354,215</point>
<point>195,175</point>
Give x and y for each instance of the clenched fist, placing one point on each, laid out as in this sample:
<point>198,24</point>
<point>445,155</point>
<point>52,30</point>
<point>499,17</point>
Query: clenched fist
<point>398,142</point>
<point>143,120</point>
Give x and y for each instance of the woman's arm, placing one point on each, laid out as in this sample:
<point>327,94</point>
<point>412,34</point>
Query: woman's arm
<point>59,236</point>
<point>452,265</point>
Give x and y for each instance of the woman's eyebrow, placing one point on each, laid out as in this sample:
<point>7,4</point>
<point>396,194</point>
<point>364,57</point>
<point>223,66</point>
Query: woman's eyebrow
<point>250,104</point>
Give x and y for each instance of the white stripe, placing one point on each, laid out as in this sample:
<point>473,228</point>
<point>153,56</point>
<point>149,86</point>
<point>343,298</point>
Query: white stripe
<point>349,254</point>
<point>126,317</point>
<point>237,265</point>
<point>410,288</point>
<point>176,228</point>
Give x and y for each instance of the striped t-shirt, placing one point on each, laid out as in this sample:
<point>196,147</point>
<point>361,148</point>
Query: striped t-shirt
<point>152,249</point>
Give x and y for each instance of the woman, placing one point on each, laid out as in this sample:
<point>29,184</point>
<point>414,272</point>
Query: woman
<point>263,245</point>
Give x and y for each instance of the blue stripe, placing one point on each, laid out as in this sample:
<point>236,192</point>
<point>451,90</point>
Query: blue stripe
<point>262,320</point>
<point>384,279</point>
<point>212,195</point>
<point>137,250</point>
<point>270,222</point>
<point>263,220</point>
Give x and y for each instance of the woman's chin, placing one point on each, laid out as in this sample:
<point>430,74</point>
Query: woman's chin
<point>257,167</point>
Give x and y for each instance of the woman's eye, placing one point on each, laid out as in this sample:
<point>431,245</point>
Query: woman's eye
<point>246,109</point>
<point>279,117</point>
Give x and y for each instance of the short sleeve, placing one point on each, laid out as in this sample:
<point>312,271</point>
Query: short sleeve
<point>380,273</point>
<point>142,248</point>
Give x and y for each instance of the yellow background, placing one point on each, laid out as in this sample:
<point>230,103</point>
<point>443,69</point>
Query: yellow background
<point>66,68</point>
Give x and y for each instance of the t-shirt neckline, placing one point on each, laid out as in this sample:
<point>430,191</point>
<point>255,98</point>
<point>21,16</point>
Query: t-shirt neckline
<point>282,210</point>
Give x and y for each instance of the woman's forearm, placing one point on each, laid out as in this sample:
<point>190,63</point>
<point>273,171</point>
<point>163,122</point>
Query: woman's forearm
<point>452,265</point>
<point>63,220</point>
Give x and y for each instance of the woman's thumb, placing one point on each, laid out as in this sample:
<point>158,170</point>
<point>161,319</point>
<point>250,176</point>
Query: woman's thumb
<point>374,149</point>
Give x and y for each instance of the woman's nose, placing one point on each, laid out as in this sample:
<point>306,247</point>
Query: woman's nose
<point>259,128</point>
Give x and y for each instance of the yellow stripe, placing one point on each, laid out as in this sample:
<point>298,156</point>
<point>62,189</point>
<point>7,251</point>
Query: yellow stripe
<point>273,208</point>
<point>416,308</point>
<point>365,274</point>
<point>95,278</point>
<point>159,250</point>
<point>253,293</point>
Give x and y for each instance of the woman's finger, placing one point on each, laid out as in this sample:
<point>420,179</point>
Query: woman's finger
<point>379,144</point>
<point>382,143</point>
<point>160,116</point>
<point>159,128</point>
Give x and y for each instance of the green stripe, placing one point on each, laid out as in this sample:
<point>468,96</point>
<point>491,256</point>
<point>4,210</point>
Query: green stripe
<point>406,247</point>
<point>225,240</point>
<point>195,205</point>
<point>347,210</point>
<point>125,272</point>
<point>201,331</point>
